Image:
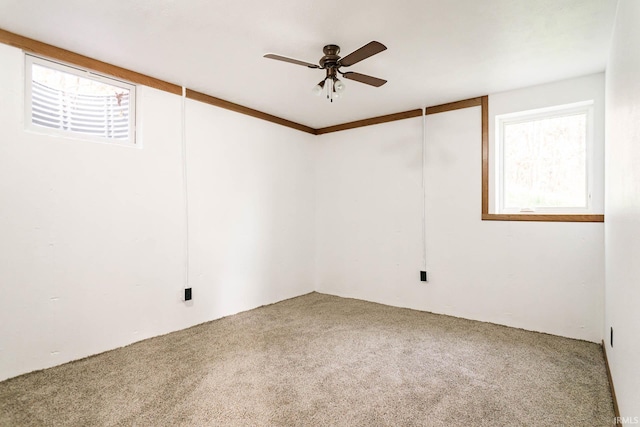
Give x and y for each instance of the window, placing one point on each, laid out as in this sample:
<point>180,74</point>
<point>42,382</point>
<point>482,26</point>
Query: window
<point>67,101</point>
<point>543,162</point>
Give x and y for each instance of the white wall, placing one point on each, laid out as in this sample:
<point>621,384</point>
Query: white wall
<point>622,208</point>
<point>369,212</point>
<point>252,199</point>
<point>539,276</point>
<point>91,246</point>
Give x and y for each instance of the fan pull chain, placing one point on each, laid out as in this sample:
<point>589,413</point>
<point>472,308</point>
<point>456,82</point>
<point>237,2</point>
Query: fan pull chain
<point>330,89</point>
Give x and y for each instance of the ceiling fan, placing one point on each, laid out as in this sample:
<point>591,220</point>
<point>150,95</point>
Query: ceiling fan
<point>332,62</point>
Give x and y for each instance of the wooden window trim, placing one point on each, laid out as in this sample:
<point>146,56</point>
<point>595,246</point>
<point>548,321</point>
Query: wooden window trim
<point>544,217</point>
<point>486,216</point>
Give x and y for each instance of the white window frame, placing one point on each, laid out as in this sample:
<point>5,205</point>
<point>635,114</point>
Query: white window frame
<point>584,107</point>
<point>70,69</point>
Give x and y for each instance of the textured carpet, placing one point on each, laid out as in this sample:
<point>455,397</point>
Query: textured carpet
<point>320,360</point>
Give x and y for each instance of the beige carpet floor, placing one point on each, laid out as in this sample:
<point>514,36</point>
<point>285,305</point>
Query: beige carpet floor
<point>320,360</point>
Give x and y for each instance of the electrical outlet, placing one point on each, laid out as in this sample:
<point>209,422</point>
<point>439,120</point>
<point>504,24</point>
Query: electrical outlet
<point>423,276</point>
<point>187,294</point>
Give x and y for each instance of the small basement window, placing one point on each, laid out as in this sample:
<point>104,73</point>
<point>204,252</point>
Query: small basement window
<point>68,101</point>
<point>545,160</point>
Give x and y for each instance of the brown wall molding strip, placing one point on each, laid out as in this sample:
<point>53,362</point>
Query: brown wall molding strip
<point>67,56</point>
<point>616,409</point>
<point>466,103</point>
<point>56,53</point>
<point>53,52</point>
<point>208,99</point>
<point>544,217</point>
<point>485,155</point>
<point>372,121</point>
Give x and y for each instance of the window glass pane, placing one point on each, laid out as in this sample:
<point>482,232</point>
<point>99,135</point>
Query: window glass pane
<point>70,102</point>
<point>545,162</point>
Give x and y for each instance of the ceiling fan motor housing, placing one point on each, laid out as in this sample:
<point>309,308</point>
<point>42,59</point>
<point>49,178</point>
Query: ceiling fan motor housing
<point>331,57</point>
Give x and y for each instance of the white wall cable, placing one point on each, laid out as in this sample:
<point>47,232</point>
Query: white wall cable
<point>185,189</point>
<point>424,189</point>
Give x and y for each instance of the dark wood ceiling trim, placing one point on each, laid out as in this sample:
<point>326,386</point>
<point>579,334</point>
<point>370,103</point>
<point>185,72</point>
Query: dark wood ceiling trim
<point>53,52</point>
<point>372,121</point>
<point>56,53</point>
<point>208,99</point>
<point>466,103</point>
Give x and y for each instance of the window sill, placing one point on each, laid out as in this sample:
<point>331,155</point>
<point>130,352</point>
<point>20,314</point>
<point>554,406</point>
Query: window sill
<point>544,217</point>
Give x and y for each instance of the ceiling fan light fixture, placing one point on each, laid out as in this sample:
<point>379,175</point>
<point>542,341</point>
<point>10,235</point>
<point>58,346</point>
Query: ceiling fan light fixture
<point>331,63</point>
<point>317,89</point>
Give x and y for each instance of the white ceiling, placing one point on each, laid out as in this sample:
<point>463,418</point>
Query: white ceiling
<point>438,50</point>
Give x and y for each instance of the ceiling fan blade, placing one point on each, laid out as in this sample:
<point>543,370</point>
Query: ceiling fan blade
<point>364,52</point>
<point>363,78</point>
<point>293,61</point>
